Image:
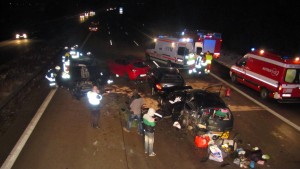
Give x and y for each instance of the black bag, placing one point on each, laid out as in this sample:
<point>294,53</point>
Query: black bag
<point>148,129</point>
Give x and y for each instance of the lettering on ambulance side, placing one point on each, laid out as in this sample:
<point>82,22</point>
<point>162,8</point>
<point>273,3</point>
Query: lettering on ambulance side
<point>274,71</point>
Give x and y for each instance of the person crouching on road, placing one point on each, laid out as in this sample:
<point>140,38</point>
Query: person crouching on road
<point>149,128</point>
<point>94,99</point>
<point>135,113</point>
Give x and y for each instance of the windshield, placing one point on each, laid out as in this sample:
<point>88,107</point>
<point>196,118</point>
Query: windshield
<point>140,64</point>
<point>292,76</point>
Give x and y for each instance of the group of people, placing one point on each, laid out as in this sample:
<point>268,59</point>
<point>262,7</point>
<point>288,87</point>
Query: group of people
<point>146,122</point>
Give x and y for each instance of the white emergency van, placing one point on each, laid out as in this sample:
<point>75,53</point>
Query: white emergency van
<point>169,51</point>
<point>273,75</point>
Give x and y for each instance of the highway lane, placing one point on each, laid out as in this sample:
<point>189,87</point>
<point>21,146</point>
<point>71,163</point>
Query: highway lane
<point>64,138</point>
<point>12,49</point>
<point>19,57</point>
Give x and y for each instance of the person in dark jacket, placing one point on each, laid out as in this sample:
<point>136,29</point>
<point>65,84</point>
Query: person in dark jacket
<point>135,113</point>
<point>149,122</point>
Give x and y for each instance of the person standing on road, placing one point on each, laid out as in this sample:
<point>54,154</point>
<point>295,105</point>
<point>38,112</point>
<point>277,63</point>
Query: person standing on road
<point>135,113</point>
<point>149,122</point>
<point>94,99</point>
<point>52,76</point>
<point>208,58</point>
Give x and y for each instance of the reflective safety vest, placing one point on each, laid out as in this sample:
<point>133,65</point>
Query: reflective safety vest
<point>51,75</point>
<point>94,98</point>
<point>208,58</point>
<point>190,59</point>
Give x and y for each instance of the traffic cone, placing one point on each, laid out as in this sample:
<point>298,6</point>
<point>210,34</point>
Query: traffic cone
<point>227,92</point>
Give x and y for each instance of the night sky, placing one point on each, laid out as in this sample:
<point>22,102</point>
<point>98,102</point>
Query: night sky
<point>243,23</point>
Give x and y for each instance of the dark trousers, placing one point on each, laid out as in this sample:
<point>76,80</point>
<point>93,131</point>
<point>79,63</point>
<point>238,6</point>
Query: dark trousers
<point>95,114</point>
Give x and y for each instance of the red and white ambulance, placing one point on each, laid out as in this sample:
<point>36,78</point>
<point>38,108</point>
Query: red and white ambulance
<point>170,50</point>
<point>271,74</point>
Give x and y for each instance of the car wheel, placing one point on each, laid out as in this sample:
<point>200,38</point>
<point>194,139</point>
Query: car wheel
<point>233,78</point>
<point>264,93</point>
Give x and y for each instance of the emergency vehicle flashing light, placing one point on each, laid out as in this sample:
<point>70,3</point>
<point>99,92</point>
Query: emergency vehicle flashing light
<point>209,36</point>
<point>185,40</point>
<point>261,52</point>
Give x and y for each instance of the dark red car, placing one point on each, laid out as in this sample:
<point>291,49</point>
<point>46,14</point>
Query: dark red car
<point>135,69</point>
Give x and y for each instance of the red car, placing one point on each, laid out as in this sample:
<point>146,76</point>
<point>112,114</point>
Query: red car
<point>135,69</point>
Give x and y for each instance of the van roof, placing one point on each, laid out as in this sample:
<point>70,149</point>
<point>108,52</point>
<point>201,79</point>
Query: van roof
<point>274,56</point>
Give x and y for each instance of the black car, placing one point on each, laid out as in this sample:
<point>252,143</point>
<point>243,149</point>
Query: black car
<point>201,109</point>
<point>84,74</point>
<point>163,78</point>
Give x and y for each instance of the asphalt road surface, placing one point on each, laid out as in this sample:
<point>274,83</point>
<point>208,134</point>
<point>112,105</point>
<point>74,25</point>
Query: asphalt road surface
<point>64,138</point>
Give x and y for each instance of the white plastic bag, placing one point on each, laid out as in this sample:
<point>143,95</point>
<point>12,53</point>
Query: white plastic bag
<point>215,153</point>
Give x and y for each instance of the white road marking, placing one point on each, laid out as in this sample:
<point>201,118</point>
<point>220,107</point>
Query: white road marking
<point>258,103</point>
<point>136,43</point>
<point>110,42</point>
<point>109,32</point>
<point>13,155</point>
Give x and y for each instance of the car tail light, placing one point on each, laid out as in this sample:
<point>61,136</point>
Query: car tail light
<point>158,86</point>
<point>279,87</point>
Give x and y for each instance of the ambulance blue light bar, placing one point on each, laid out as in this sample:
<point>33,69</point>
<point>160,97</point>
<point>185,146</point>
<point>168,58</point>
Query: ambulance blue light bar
<point>185,40</point>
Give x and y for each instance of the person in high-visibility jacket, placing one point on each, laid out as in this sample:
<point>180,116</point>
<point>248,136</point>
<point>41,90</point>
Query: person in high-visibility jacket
<point>94,99</point>
<point>51,77</point>
<point>208,58</point>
